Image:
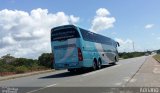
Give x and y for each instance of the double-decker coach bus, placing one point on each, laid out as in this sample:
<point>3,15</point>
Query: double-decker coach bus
<point>75,48</point>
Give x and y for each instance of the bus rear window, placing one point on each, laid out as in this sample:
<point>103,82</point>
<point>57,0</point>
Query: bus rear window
<point>64,34</point>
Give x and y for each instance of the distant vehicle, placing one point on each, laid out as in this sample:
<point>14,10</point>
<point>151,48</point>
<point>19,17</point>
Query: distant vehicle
<point>75,48</point>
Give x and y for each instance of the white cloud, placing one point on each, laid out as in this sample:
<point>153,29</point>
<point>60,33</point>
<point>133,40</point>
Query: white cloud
<point>7,41</point>
<point>125,45</point>
<point>102,12</point>
<point>102,21</point>
<point>26,34</point>
<point>74,19</point>
<point>148,26</point>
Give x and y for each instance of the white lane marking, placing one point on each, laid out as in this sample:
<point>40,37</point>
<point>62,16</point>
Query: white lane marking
<point>126,78</point>
<point>118,84</point>
<point>42,88</point>
<point>94,72</point>
<point>51,85</point>
<point>36,90</point>
<point>91,73</point>
<point>133,80</point>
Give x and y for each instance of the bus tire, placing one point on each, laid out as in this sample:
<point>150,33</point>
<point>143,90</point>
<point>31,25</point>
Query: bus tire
<point>99,64</point>
<point>116,59</point>
<point>72,70</point>
<point>94,67</point>
<point>114,63</point>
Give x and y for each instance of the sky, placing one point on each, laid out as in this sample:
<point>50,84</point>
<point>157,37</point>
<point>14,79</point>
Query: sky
<point>25,24</point>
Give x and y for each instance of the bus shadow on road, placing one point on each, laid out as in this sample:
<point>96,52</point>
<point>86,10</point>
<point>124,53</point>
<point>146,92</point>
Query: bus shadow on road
<point>69,74</point>
<point>60,75</point>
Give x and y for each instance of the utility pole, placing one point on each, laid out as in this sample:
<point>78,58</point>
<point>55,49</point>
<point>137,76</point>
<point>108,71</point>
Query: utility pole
<point>133,46</point>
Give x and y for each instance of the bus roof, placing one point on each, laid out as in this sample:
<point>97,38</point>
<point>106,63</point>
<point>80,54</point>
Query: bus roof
<point>73,26</point>
<point>63,26</point>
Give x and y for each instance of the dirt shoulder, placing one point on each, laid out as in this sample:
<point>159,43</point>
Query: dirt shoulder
<point>24,74</point>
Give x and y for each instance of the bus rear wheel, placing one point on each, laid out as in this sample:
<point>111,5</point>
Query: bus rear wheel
<point>99,65</point>
<point>72,70</point>
<point>94,67</point>
<point>114,63</point>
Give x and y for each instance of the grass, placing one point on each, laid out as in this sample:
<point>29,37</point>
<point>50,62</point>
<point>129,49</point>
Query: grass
<point>157,57</point>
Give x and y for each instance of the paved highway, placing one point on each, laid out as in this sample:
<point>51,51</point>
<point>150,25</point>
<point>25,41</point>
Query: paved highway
<point>111,76</point>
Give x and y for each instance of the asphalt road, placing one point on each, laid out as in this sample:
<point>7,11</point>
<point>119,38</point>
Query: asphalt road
<point>111,76</point>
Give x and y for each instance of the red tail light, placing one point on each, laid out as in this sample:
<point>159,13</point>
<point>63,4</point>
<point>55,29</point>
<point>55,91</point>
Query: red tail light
<point>80,56</point>
<point>52,61</point>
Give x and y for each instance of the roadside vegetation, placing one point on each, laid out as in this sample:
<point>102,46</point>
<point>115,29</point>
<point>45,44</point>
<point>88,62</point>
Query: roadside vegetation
<point>126,55</point>
<point>11,65</point>
<point>157,56</point>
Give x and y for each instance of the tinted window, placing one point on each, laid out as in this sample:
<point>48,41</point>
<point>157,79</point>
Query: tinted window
<point>88,36</point>
<point>63,34</point>
<point>93,37</point>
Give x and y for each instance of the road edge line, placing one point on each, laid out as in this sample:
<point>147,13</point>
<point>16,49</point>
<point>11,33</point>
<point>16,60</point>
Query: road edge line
<point>41,88</point>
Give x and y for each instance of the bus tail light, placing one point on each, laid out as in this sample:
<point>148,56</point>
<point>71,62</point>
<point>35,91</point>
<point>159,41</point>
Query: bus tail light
<point>80,56</point>
<point>52,61</point>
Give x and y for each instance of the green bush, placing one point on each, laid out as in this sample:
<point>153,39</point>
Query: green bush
<point>21,65</point>
<point>21,69</point>
<point>131,54</point>
<point>158,51</point>
<point>6,67</point>
<point>9,68</point>
<point>3,69</point>
<point>46,60</point>
<point>157,57</point>
<point>36,67</point>
<point>24,62</point>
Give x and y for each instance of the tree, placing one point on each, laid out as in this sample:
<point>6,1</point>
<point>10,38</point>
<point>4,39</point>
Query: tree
<point>130,55</point>
<point>45,59</point>
<point>7,58</point>
<point>24,62</point>
<point>158,51</point>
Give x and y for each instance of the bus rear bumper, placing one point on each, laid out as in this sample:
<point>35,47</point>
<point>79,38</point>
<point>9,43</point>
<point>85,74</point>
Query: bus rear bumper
<point>61,66</point>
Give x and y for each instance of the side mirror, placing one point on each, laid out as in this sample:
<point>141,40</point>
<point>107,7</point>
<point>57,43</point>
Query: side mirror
<point>118,45</point>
